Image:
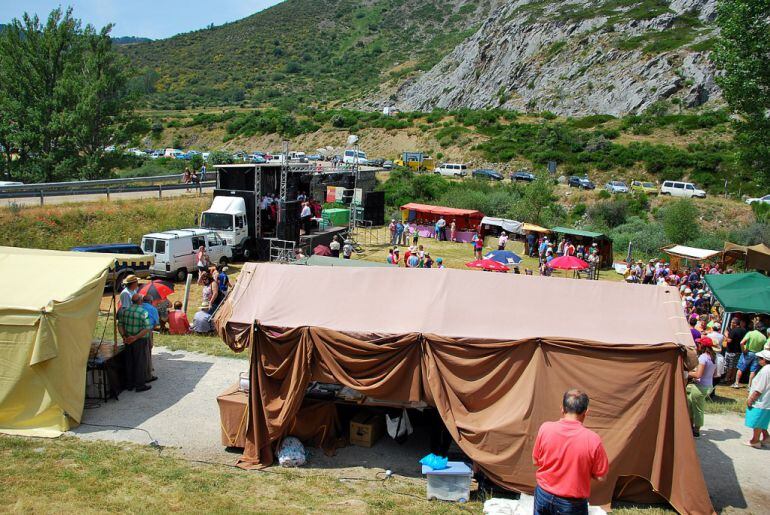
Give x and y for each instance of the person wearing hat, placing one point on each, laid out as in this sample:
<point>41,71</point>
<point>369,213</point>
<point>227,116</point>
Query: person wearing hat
<point>440,263</point>
<point>392,229</point>
<point>758,404</point>
<point>701,382</point>
<point>130,288</point>
<point>201,323</point>
<point>135,326</point>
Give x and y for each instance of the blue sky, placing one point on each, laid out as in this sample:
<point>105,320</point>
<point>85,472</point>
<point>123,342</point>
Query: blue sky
<point>147,18</point>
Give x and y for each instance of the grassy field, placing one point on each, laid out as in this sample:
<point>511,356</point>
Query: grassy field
<point>68,475</point>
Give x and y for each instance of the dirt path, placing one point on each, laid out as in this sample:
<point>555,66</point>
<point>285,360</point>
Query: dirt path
<point>181,412</point>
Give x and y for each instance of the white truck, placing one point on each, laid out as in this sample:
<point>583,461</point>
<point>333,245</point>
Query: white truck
<point>175,251</point>
<point>227,216</point>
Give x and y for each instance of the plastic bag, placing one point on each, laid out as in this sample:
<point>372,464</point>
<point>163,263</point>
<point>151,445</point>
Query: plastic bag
<point>434,462</point>
<point>291,453</point>
<point>400,427</point>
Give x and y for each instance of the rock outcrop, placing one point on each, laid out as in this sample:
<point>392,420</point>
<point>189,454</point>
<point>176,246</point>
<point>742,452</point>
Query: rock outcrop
<point>573,58</point>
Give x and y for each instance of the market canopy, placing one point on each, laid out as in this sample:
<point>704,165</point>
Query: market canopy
<point>511,226</point>
<point>494,370</point>
<point>691,253</point>
<point>534,228</point>
<point>46,327</point>
<point>440,210</point>
<point>757,257</point>
<point>741,293</point>
<point>579,232</point>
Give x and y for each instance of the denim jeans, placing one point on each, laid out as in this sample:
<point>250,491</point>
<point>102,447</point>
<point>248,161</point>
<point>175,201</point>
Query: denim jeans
<point>549,504</point>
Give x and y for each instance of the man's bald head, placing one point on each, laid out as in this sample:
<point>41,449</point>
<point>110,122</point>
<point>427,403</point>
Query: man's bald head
<point>137,298</point>
<point>575,402</point>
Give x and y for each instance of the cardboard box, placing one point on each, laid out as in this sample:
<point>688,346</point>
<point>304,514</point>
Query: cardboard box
<point>366,428</point>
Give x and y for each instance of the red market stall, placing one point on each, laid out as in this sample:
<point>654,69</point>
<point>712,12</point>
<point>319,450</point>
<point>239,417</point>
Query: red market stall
<point>426,216</point>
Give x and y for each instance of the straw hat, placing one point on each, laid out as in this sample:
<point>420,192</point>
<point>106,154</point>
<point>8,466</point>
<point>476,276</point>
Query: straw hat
<point>131,278</point>
<point>205,305</point>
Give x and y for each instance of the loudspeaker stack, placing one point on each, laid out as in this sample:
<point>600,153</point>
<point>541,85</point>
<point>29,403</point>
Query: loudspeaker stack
<point>374,207</point>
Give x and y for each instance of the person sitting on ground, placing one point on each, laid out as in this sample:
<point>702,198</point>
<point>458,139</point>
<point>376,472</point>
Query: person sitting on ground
<point>334,246</point>
<point>753,342</point>
<point>440,263</point>
<point>758,404</point>
<point>347,250</point>
<point>201,323</point>
<point>427,261</point>
<point>567,456</point>
<point>632,277</point>
<point>177,320</point>
<point>702,383</point>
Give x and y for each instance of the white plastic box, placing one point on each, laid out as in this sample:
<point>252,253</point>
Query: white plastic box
<point>450,484</point>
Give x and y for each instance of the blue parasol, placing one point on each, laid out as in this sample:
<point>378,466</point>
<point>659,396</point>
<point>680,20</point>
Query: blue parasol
<point>505,257</point>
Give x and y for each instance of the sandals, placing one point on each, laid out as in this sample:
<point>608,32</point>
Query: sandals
<point>757,445</point>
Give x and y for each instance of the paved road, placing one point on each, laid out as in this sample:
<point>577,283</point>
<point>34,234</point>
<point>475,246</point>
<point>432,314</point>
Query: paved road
<point>181,412</point>
<point>65,199</point>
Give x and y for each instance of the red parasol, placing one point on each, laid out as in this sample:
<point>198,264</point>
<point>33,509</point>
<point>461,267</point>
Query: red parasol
<point>157,290</point>
<point>489,265</point>
<point>322,250</point>
<point>567,263</point>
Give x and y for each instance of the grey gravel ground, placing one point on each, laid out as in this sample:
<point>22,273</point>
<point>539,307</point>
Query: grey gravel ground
<point>181,412</point>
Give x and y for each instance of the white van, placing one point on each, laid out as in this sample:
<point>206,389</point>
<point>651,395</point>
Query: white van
<point>175,251</point>
<point>298,157</point>
<point>681,189</point>
<point>452,170</point>
<point>355,157</point>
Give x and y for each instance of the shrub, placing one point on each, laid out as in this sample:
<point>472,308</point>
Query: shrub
<point>680,221</point>
<point>608,213</point>
<point>604,194</point>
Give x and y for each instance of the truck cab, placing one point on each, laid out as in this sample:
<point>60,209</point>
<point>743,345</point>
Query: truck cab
<point>227,217</point>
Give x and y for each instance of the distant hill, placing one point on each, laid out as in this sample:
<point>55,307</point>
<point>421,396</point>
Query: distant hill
<point>129,40</point>
<point>306,51</point>
<point>585,57</point>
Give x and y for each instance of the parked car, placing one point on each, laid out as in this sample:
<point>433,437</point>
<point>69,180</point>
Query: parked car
<point>580,182</point>
<point>388,165</point>
<point>616,187</point>
<point>759,200</point>
<point>132,260</point>
<point>644,187</point>
<point>452,170</point>
<point>315,157</point>
<point>298,157</point>
<point>487,173</point>
<point>522,175</point>
<point>175,251</point>
<point>377,161</point>
<point>681,189</point>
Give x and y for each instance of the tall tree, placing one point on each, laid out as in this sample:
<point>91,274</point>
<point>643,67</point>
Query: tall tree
<point>742,54</point>
<point>63,98</point>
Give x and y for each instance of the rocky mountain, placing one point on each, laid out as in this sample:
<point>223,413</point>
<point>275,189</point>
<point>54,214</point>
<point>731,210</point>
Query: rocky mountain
<point>573,57</point>
<point>576,57</point>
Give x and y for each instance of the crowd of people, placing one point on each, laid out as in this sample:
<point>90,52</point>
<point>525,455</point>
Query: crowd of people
<point>728,353</point>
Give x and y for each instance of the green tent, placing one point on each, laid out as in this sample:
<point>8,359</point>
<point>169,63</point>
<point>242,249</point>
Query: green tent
<point>741,293</point>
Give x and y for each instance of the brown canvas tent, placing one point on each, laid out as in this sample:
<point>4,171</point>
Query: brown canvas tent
<point>494,363</point>
<point>757,257</point>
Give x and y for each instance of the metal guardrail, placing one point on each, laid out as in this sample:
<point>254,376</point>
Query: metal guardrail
<point>157,183</point>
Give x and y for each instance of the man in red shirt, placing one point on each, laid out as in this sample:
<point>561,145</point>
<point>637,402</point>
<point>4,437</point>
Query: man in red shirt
<point>567,456</point>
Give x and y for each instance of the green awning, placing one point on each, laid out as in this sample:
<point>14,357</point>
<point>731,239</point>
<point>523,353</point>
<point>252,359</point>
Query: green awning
<point>741,293</point>
<point>578,232</point>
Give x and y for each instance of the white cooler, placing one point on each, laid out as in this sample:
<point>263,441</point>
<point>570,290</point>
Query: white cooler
<point>450,484</point>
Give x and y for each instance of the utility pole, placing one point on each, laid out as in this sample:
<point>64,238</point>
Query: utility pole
<point>284,172</point>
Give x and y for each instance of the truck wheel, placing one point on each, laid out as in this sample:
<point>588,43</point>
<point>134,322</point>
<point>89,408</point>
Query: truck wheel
<point>223,261</point>
<point>247,254</point>
<point>181,274</point>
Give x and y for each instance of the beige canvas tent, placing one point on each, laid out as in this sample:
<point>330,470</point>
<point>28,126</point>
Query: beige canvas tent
<point>48,307</point>
<point>492,353</point>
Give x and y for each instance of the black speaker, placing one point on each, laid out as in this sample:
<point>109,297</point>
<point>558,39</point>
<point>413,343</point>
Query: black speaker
<point>374,207</point>
<point>288,221</point>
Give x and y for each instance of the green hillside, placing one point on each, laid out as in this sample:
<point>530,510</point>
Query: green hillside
<point>302,52</point>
